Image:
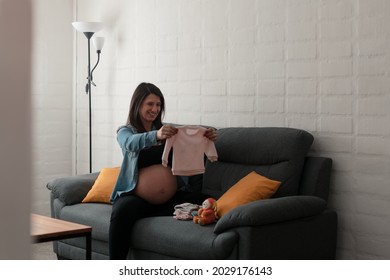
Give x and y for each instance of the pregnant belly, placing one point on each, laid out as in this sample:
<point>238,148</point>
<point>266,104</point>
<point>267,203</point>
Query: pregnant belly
<point>156,184</point>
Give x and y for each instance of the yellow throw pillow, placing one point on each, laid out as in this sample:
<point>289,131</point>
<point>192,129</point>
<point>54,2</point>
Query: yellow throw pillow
<point>103,186</point>
<point>250,188</point>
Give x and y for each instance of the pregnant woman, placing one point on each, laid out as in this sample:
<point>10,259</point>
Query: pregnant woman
<point>144,186</point>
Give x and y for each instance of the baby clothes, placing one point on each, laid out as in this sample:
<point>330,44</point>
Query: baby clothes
<point>185,211</point>
<point>189,146</point>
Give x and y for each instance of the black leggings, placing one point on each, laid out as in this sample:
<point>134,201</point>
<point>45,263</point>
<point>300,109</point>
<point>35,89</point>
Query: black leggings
<point>127,209</point>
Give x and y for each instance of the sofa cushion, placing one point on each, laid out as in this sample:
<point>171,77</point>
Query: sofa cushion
<point>96,215</point>
<point>250,188</point>
<point>276,153</point>
<point>103,186</point>
<point>182,239</point>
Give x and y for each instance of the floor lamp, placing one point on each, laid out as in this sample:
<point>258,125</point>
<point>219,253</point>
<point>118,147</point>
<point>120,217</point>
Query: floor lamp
<point>89,29</point>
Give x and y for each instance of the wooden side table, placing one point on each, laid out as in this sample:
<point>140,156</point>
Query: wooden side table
<point>44,229</point>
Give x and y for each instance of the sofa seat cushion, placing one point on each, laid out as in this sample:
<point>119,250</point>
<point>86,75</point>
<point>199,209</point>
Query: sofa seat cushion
<point>96,215</point>
<point>182,239</point>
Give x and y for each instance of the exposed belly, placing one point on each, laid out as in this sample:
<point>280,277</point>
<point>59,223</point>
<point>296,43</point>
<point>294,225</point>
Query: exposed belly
<point>156,184</point>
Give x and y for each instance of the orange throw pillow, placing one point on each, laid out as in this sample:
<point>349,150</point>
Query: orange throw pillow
<point>250,188</point>
<point>103,186</point>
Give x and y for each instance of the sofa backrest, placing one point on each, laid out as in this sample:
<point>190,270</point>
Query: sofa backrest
<point>274,152</point>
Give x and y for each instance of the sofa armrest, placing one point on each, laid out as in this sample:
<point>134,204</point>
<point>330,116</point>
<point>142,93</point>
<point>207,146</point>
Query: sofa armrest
<point>268,211</point>
<point>316,177</point>
<point>73,189</point>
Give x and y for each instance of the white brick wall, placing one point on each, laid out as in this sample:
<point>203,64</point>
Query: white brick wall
<point>319,65</point>
<point>52,98</point>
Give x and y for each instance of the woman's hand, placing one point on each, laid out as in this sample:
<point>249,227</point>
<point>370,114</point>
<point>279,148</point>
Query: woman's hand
<point>211,133</point>
<point>166,131</point>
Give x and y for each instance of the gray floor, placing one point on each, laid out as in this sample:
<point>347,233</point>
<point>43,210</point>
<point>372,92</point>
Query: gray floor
<point>43,251</point>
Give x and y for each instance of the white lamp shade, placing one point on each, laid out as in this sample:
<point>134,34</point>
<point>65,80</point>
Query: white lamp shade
<point>98,42</point>
<point>83,26</point>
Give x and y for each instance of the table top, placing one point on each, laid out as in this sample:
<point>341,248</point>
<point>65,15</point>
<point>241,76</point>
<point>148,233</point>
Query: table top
<point>44,228</point>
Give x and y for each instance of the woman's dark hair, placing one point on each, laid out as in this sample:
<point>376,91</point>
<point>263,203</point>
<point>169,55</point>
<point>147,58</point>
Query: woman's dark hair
<point>139,95</point>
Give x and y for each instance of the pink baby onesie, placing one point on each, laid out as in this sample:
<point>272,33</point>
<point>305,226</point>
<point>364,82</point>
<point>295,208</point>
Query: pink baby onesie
<point>189,146</point>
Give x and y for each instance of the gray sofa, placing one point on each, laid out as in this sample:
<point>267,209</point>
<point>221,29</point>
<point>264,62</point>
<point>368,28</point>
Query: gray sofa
<point>294,224</point>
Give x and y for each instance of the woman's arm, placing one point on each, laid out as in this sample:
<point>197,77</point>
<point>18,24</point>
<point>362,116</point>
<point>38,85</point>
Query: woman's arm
<point>132,141</point>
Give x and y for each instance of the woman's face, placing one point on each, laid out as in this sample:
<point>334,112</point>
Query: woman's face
<point>150,108</point>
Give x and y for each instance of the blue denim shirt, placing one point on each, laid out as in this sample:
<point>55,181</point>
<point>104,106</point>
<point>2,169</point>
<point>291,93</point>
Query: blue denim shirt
<point>131,143</point>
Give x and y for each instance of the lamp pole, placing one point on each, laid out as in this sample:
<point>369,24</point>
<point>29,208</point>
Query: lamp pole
<point>89,92</point>
<point>89,29</point>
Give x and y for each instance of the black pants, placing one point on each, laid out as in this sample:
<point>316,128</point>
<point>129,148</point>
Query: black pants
<point>127,209</point>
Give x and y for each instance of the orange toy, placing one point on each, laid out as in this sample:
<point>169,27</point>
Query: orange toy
<point>207,213</point>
